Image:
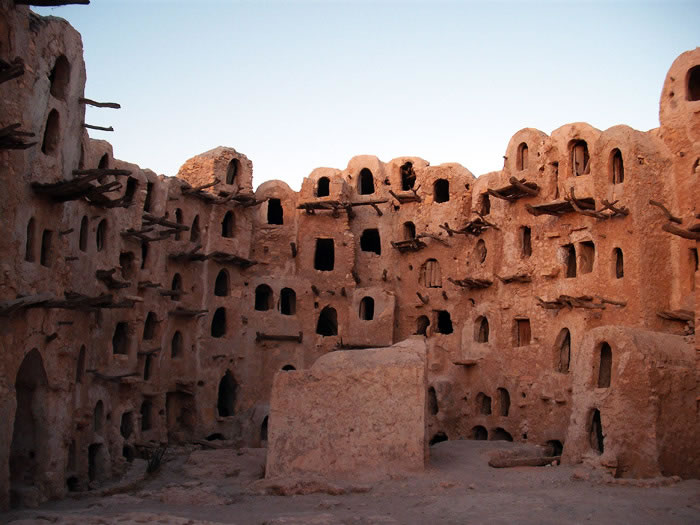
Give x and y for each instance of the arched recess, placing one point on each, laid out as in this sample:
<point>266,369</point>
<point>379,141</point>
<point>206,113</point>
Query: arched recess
<point>227,225</point>
<point>323,187</point>
<point>60,78</point>
<point>226,400</point>
<point>221,286</point>
<point>563,350</point>
<point>327,324</point>
<point>481,329</point>
<point>365,183</point>
<point>194,230</point>
<point>30,431</point>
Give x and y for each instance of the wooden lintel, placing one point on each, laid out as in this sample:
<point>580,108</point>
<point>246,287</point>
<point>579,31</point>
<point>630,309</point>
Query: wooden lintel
<point>261,336</point>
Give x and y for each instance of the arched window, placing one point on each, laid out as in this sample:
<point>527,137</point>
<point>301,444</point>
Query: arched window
<point>104,162</point>
<point>522,157</point>
<point>176,287</point>
<point>694,84</point>
<point>563,350</point>
<point>176,345</point>
<point>221,286</point>
<point>227,225</point>
<point>98,417</point>
<point>149,326</point>
<point>408,176</point>
<point>580,161</point>
<point>525,241</point>
<point>147,367</point>
<point>218,323</point>
<point>49,145</point>
<point>288,301</point>
<point>595,432</point>
<point>422,324</point>
<point>178,220</point>
<point>275,212</point>
<point>323,187</point>
<point>605,366</point>
<point>370,241</point>
<point>409,231</point>
<point>126,427</point>
<point>80,366</point>
<point>263,298</point>
<point>226,402</point>
<point>146,415</point>
<point>29,247</point>
<point>46,254</point>
<point>481,330</point>
<point>365,183</point>
<point>288,368</point>
<point>430,275</point>
<point>194,230</point>
<point>441,190</point>
<point>483,404</point>
<point>503,402</point>
<point>263,429</point>
<point>327,324</point>
<point>480,433</point>
<point>232,171</point>
<point>619,263</point>
<point>433,407</point>
<point>120,338</point>
<point>101,235</point>
<point>617,167</point>
<point>366,309</point>
<point>500,434</point>
<point>60,77</point>
<point>83,238</point>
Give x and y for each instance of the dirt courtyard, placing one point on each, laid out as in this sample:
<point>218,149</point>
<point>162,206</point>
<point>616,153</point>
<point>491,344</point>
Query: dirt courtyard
<point>224,486</point>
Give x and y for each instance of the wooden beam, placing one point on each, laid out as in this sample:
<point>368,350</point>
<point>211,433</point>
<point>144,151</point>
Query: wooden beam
<point>99,128</point>
<point>112,105</point>
<point>261,336</point>
<point>668,214</point>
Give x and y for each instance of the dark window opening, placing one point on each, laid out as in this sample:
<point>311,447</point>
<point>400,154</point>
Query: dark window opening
<point>275,212</point>
<point>409,231</point>
<point>586,256</point>
<point>60,77</point>
<point>693,266</point>
<point>595,432</point>
<point>232,171</point>
<point>29,247</point>
<point>144,254</point>
<point>483,404</point>
<point>227,225</point>
<point>288,368</point>
<point>324,257</point>
<point>101,235</point>
<point>370,241</point>
<point>444,322</point>
<point>218,323</point>
<point>46,252</point>
<point>83,238</point>
<point>194,230</point>
<point>605,366</point>
<point>95,462</point>
<point>480,251</point>
<point>619,263</point>
<point>694,84</point>
<point>149,196</point>
<point>147,367</point>
<point>217,436</point>
<point>563,346</point>
<point>441,190</point>
<point>570,260</point>
<point>323,187</point>
<point>149,326</point>
<point>367,309</point>
<point>327,324</point>
<point>120,339</point>
<point>422,324</point>
<point>178,220</point>
<point>480,433</point>
<point>503,402</point>
<point>525,241</point>
<point>126,264</point>
<point>365,182</point>
<point>500,434</point>
<point>580,161</point>
<point>98,415</point>
<point>522,157</point>
<point>146,410</point>
<point>288,301</point>
<point>221,286</point>
<point>126,427</point>
<point>263,429</point>
<point>522,332</point>
<point>263,298</point>
<point>433,407</point>
<point>176,286</point>
<point>617,167</point>
<point>176,345</point>
<point>439,437</point>
<point>430,275</point>
<point>104,162</point>
<point>408,176</point>
<point>554,447</point>
<point>80,367</point>
<point>226,401</point>
<point>130,191</point>
<point>128,453</point>
<point>51,134</point>
<point>485,204</point>
<point>481,330</point>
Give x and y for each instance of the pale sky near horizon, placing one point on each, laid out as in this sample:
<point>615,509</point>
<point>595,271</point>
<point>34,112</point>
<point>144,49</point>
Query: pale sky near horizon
<point>301,84</point>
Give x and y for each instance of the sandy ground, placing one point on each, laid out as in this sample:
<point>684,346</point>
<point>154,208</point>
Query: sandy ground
<point>224,486</point>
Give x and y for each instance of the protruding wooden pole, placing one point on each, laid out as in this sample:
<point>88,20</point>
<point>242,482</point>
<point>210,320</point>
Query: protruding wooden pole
<point>90,102</point>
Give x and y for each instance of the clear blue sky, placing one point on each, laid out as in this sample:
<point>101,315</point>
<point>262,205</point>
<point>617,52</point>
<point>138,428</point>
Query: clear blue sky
<point>300,84</point>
